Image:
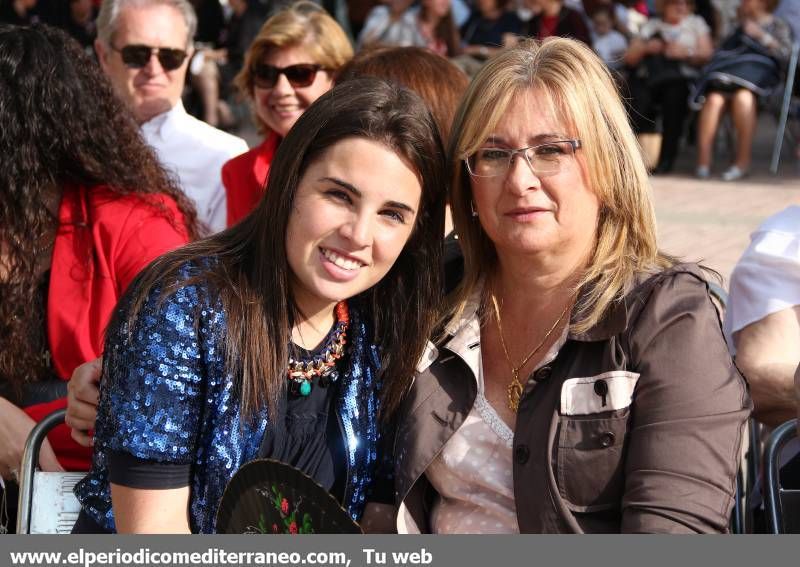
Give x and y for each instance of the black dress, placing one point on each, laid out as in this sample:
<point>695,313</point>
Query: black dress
<point>306,433</point>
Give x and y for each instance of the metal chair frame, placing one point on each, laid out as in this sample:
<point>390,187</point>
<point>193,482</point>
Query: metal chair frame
<point>773,492</point>
<point>30,458</point>
<point>791,72</point>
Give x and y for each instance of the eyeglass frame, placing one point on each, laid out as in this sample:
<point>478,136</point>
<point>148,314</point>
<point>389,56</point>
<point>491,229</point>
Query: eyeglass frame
<point>152,49</point>
<point>574,142</point>
<point>316,67</point>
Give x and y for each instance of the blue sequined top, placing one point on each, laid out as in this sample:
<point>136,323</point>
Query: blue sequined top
<point>167,397</point>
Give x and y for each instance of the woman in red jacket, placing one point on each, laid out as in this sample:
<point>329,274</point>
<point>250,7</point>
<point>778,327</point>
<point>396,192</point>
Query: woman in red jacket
<point>84,206</point>
<point>291,63</point>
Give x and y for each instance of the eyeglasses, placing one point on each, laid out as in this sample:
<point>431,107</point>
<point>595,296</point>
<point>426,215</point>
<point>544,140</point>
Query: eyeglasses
<point>543,159</point>
<point>301,75</point>
<point>137,56</point>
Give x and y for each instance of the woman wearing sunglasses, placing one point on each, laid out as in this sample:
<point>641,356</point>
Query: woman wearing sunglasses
<point>290,64</point>
<point>78,220</point>
<point>287,336</point>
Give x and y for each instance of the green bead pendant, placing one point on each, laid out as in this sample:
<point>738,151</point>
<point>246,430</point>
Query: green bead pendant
<point>305,388</point>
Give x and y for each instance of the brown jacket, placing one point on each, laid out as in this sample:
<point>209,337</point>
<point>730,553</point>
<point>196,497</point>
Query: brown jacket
<point>654,449</point>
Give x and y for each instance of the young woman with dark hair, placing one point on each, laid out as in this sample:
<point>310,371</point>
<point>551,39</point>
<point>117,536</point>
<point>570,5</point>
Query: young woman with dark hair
<point>285,337</point>
<point>84,206</point>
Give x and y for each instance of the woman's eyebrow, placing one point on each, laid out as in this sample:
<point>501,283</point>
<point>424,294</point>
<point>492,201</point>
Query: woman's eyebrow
<point>342,183</point>
<point>400,205</point>
<point>352,189</point>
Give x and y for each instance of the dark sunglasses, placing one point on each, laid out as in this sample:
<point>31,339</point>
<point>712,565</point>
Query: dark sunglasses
<point>301,75</point>
<point>137,56</point>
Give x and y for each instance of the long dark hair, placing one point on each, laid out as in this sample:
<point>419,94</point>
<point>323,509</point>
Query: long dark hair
<point>447,31</point>
<point>250,272</point>
<point>61,124</point>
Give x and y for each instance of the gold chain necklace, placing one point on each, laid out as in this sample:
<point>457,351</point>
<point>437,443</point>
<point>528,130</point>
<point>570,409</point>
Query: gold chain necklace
<point>515,388</point>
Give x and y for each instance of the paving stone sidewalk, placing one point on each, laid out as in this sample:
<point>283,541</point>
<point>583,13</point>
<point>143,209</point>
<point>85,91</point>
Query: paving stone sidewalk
<point>711,221</point>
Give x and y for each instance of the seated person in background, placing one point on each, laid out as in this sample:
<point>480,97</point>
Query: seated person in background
<point>79,219</point>
<point>144,47</point>
<point>290,64</point>
<point>18,12</point>
<point>747,65</point>
<point>630,16</point>
<point>80,22</point>
<point>553,18</point>
<point>762,320</point>
<point>209,56</point>
<point>666,56</point>
<point>431,25</point>
<point>789,10</point>
<point>488,28</point>
<point>762,325</point>
<point>609,44</point>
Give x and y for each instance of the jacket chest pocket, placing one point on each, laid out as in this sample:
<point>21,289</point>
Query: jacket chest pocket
<point>592,437</point>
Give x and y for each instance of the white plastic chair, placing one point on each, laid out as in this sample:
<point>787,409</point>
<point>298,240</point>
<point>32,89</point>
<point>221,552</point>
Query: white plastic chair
<point>46,502</point>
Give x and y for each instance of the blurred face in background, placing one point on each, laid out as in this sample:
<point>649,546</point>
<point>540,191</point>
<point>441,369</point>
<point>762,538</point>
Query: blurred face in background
<point>752,8</point>
<point>602,23</point>
<point>487,7</point>
<point>437,8</point>
<point>675,11</point>
<point>80,11</point>
<point>151,89</point>
<point>279,106</point>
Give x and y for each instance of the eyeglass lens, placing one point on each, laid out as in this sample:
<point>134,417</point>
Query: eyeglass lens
<point>137,56</point>
<point>544,159</point>
<point>301,75</point>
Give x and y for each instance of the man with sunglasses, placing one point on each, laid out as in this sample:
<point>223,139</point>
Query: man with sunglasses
<point>144,47</point>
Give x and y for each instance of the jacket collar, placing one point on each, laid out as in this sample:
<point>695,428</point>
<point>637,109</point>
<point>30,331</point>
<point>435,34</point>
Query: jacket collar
<point>465,334</point>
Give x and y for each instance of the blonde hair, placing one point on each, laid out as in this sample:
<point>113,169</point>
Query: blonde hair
<point>584,94</point>
<point>300,24</point>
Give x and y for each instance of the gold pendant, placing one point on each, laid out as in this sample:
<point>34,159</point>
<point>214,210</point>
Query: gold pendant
<point>514,393</point>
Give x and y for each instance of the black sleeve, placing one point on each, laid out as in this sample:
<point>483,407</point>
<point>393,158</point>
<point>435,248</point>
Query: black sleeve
<point>382,489</point>
<point>126,470</point>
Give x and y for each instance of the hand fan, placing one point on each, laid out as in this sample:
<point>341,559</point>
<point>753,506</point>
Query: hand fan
<point>266,496</point>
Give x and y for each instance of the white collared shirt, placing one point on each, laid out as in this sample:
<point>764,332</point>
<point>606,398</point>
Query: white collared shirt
<point>195,152</point>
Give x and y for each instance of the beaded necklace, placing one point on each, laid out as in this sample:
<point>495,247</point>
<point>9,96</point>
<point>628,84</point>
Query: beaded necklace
<point>301,373</point>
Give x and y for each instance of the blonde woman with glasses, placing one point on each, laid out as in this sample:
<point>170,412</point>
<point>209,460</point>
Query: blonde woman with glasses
<point>581,382</point>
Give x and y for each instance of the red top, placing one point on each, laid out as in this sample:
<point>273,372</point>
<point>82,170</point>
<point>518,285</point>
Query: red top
<point>103,241</point>
<point>245,178</point>
<point>549,24</point>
